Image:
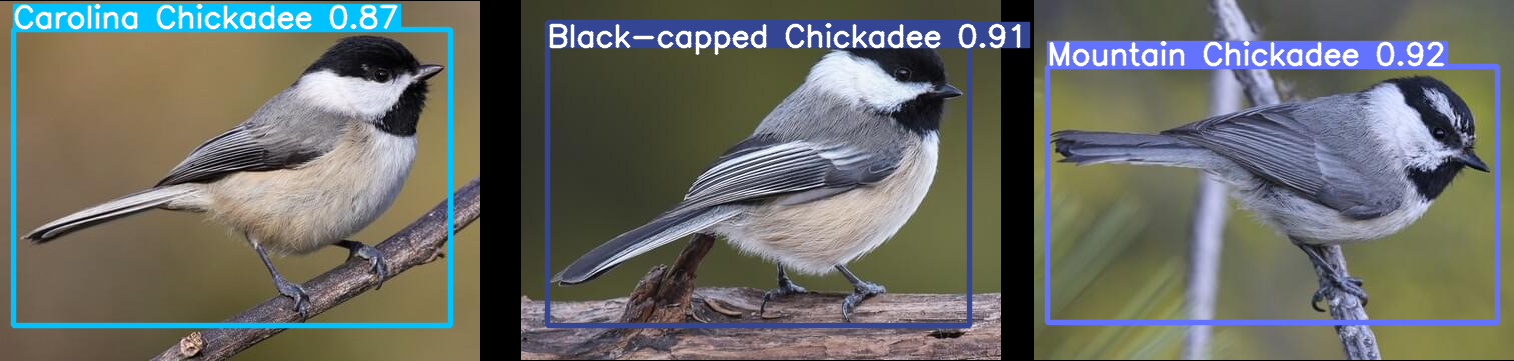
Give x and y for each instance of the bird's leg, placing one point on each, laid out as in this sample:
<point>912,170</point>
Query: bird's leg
<point>291,289</point>
<point>785,287</point>
<point>1333,278</point>
<point>862,290</point>
<point>374,257</point>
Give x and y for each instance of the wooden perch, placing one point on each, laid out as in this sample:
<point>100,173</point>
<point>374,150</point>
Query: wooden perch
<point>1358,341</point>
<point>419,243</point>
<point>664,295</point>
<point>982,341</point>
<point>667,295</point>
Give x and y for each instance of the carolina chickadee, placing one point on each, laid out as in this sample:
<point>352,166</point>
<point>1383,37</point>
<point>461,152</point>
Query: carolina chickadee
<point>315,164</point>
<point>1337,169</point>
<point>831,173</point>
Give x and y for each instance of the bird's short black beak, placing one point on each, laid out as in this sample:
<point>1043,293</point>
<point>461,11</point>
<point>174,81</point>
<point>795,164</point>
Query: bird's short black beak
<point>427,71</point>
<point>1471,160</point>
<point>946,91</point>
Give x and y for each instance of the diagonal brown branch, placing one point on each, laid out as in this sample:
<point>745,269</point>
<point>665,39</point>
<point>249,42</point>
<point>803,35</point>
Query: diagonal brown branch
<point>419,243</point>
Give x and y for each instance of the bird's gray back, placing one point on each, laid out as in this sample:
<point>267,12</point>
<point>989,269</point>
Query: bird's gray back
<point>284,133</point>
<point>1345,123</point>
<point>287,124</point>
<point>808,116</point>
<point>1319,148</point>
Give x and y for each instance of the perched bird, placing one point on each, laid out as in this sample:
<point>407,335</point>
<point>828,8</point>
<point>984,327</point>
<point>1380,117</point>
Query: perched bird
<point>832,172</point>
<point>315,164</point>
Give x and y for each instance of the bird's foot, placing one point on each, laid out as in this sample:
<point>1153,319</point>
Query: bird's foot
<point>295,292</point>
<point>785,288</point>
<point>1337,280</point>
<point>862,292</point>
<point>373,255</point>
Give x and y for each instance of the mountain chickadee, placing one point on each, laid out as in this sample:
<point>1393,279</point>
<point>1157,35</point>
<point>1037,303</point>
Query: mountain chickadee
<point>1336,169</point>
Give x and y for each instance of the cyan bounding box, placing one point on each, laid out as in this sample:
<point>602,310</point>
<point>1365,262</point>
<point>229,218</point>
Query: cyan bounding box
<point>1497,229</point>
<point>547,266</point>
<point>149,16</point>
<point>66,325</point>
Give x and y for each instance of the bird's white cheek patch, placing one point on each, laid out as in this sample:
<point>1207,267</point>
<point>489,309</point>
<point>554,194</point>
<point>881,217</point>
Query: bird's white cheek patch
<point>862,80</point>
<point>353,96</point>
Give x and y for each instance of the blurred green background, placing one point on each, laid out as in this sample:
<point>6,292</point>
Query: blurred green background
<point>1119,233</point>
<point>632,128</point>
<point>101,115</point>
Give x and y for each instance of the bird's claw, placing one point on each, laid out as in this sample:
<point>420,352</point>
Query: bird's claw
<point>785,288</point>
<point>373,255</point>
<point>862,292</point>
<point>295,292</point>
<point>1348,284</point>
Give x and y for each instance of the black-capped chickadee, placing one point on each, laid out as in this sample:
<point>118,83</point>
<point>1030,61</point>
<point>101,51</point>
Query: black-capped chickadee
<point>314,165</point>
<point>830,174</point>
<point>1337,169</point>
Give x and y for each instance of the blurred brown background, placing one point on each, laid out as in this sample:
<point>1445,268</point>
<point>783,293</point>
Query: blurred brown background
<point>101,115</point>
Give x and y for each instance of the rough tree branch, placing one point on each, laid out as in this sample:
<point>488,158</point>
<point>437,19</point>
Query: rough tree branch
<point>1358,341</point>
<point>667,295</point>
<point>982,341</point>
<point>419,243</point>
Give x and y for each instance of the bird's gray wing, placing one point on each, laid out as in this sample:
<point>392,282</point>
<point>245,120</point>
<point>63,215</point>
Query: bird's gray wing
<point>1271,143</point>
<point>264,144</point>
<point>763,167</point>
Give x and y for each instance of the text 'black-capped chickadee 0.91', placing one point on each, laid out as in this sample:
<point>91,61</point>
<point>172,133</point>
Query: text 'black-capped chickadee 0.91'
<point>1332,170</point>
<point>832,172</point>
<point>315,164</point>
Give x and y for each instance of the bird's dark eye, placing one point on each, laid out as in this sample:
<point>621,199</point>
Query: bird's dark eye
<point>381,75</point>
<point>1439,133</point>
<point>901,73</point>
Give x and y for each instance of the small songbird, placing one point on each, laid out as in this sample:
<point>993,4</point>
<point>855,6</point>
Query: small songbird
<point>315,164</point>
<point>831,173</point>
<point>1343,168</point>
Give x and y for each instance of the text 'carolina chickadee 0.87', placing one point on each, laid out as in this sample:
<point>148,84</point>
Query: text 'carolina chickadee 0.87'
<point>1336,169</point>
<point>315,164</point>
<point>830,174</point>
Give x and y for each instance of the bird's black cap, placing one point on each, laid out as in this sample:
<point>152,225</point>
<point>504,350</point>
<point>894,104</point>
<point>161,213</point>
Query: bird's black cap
<point>357,56</point>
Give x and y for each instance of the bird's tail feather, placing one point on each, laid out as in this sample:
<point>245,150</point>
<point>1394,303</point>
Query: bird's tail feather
<point>1106,147</point>
<point>662,230</point>
<point>116,208</point>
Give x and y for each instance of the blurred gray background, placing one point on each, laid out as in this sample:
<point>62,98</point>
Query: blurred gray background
<point>632,128</point>
<point>1119,233</point>
<point>105,114</point>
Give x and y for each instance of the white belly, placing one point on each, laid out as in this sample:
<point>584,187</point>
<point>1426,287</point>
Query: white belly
<point>814,237</point>
<point>300,210</point>
<point>1313,223</point>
